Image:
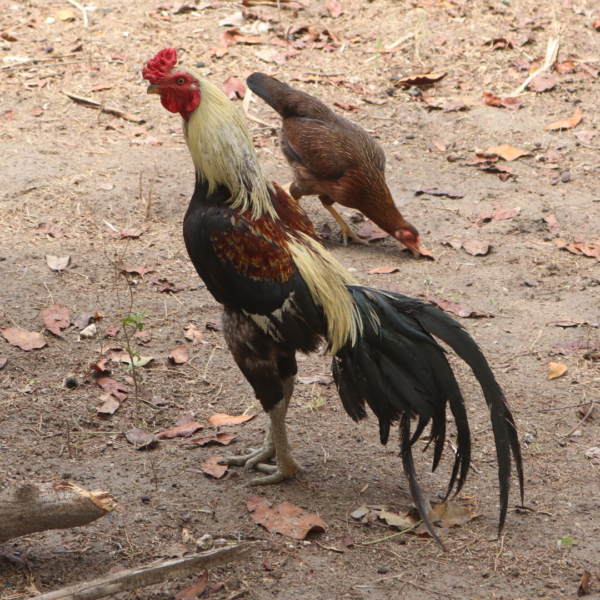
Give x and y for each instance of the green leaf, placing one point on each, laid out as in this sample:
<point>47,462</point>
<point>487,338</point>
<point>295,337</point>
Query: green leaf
<point>566,542</point>
<point>138,361</point>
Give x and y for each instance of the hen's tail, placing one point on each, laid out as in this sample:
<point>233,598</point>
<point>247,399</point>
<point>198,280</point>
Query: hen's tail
<point>286,100</point>
<point>400,371</point>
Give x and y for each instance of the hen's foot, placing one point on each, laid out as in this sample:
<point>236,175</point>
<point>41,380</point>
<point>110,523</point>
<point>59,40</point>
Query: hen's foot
<point>250,460</point>
<point>285,468</point>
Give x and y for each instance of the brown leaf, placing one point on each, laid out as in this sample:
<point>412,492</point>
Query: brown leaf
<point>143,338</point>
<point>233,36</point>
<point>584,584</point>
<point>441,146</point>
<point>218,52</point>
<point>335,8</point>
<point>54,230</point>
<point>507,152</point>
<point>215,325</point>
<point>234,88</point>
<point>56,263</point>
<point>182,431</point>
<point>164,285</point>
<point>486,217</point>
<point>440,190</point>
<point>133,233</point>
<point>574,346</point>
<point>476,247</point>
<point>542,82</point>
<point>323,379</point>
<point>141,271</point>
<point>423,79</point>
<point>111,331</point>
<point>394,520</point>
<point>212,467</point>
<point>586,136</point>
<point>493,100</point>
<point>65,14</point>
<point>423,252</point>
<point>56,318</point>
<point>553,224</point>
<point>111,386</point>
<point>141,439</point>
<point>26,340</point>
<point>350,107</point>
<point>450,514</point>
<point>566,123</point>
<point>556,370</point>
<point>571,323</point>
<point>567,66</point>
<point>456,243</point>
<point>580,248</point>
<point>594,455</point>
<point>193,334</point>
<point>187,418</point>
<point>109,404</point>
<point>194,591</point>
<point>9,37</point>
<point>285,519</point>
<point>383,270</point>
<point>3,362</point>
<point>179,355</point>
<point>102,86</point>
<point>222,420</point>
<point>372,232</point>
<point>461,310</point>
<point>224,439</point>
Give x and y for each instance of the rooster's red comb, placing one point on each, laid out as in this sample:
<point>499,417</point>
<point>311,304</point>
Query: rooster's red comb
<point>160,65</point>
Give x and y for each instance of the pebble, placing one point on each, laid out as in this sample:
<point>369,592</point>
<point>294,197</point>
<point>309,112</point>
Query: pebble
<point>71,382</point>
<point>145,498</point>
<point>382,570</point>
<point>565,176</point>
<point>205,542</point>
<point>529,439</point>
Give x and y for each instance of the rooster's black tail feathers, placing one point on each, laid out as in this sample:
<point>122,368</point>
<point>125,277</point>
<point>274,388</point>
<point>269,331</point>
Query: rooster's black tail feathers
<point>400,371</point>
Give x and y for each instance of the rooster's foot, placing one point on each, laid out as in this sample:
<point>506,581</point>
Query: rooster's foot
<point>284,469</point>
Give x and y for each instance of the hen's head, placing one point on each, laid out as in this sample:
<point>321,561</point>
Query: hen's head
<point>179,90</point>
<point>409,236</point>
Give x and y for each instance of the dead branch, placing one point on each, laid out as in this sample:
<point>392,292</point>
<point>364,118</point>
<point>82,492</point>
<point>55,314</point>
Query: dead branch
<point>27,507</point>
<point>152,574</point>
<point>104,109</point>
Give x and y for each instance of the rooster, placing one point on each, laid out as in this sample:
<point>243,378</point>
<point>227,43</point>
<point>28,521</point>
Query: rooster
<point>282,292</point>
<point>334,159</point>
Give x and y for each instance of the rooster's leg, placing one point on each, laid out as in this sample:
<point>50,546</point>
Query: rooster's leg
<point>286,465</point>
<point>346,229</point>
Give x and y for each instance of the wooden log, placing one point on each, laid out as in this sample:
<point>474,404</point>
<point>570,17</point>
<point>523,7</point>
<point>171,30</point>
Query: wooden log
<point>27,507</point>
<point>152,574</point>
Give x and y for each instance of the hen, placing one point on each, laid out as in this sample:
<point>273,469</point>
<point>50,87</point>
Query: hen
<point>259,256</point>
<point>333,159</point>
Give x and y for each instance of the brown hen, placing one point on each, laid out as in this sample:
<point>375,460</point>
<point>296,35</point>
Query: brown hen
<point>334,159</point>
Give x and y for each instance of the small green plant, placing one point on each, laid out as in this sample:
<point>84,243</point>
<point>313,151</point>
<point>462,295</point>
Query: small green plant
<point>566,542</point>
<point>316,401</point>
<point>131,325</point>
<point>379,40</point>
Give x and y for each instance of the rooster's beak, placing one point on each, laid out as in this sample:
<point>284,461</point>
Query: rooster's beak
<point>153,89</point>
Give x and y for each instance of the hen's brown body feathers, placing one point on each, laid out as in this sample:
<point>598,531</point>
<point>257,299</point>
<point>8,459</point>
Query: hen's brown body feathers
<point>331,157</point>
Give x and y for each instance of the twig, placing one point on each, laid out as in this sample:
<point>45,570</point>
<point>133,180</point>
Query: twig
<point>98,106</point>
<point>153,573</point>
<point>79,7</point>
<point>551,52</point>
<point>149,200</point>
<point>562,407</point>
<point>536,339</point>
<point>246,107</point>
<point>499,552</point>
<point>589,412</point>
<point>69,440</point>
<point>391,536</point>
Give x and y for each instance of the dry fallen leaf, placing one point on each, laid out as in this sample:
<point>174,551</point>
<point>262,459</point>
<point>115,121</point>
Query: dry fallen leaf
<point>285,519</point>
<point>179,355</point>
<point>3,362</point>
<point>163,285</point>
<point>141,271</point>
<point>133,233</point>
<point>461,310</point>
<point>424,79</point>
<point>26,340</point>
<point>56,318</point>
<point>493,100</point>
<point>383,270</point>
<point>542,82</point>
<point>54,230</point>
<point>193,334</point>
<point>594,455</point>
<point>65,15</point>
<point>234,88</point>
<point>476,247</point>
<point>194,591</point>
<point>111,386</point>
<point>181,431</point>
<point>580,248</point>
<point>141,439</point>
<point>56,263</point>
<point>566,123</point>
<point>109,404</point>
<point>212,467</point>
<point>372,232</point>
<point>507,152</point>
<point>215,325</point>
<point>556,370</point>
<point>222,420</point>
<point>335,8</point>
<point>450,514</point>
<point>394,520</point>
<point>584,584</point>
<point>224,439</point>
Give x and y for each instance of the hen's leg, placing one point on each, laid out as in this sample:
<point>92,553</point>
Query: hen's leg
<point>346,229</point>
<point>286,465</point>
<point>267,452</point>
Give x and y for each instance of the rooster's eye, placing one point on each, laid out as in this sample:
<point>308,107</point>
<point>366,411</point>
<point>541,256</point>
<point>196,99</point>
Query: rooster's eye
<point>180,81</point>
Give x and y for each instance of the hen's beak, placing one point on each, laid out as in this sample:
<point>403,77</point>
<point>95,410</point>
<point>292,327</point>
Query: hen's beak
<point>153,89</point>
<point>415,250</point>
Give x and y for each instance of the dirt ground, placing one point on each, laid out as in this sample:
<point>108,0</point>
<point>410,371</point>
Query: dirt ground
<point>90,174</point>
